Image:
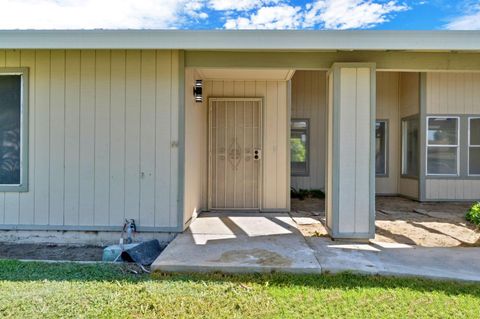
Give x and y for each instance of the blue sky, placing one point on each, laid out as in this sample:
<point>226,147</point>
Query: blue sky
<point>241,14</point>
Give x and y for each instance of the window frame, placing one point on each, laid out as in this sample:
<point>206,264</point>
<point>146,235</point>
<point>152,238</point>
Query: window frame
<point>469,146</point>
<point>24,132</point>
<point>415,118</point>
<point>386,174</point>
<point>307,145</point>
<point>457,146</point>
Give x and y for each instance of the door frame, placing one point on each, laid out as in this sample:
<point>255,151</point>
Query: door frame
<point>261,140</point>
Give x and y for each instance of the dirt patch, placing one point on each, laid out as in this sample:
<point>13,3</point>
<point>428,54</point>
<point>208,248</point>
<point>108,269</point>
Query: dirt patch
<point>310,208</point>
<point>400,220</point>
<point>50,252</point>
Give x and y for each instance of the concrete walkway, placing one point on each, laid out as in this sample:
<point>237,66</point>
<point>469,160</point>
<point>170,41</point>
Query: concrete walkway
<point>253,242</point>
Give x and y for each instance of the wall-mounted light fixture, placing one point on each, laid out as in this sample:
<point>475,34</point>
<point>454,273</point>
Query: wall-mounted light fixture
<point>197,91</point>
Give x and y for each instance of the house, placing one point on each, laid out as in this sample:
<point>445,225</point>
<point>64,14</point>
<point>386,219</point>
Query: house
<point>98,126</point>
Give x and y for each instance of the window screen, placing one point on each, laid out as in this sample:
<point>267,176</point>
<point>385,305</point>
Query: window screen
<point>474,146</point>
<point>410,147</point>
<point>10,129</point>
<point>299,147</point>
<point>381,148</point>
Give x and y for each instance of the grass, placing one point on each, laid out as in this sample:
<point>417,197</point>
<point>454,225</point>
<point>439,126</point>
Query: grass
<point>37,289</point>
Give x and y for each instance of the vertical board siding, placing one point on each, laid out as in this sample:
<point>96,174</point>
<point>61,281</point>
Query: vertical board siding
<point>72,141</point>
<point>27,199</point>
<point>444,189</point>
<point>117,137</point>
<point>275,188</point>
<point>42,138</point>
<point>409,104</point>
<point>309,102</point>
<point>354,168</point>
<point>196,149</point>
<point>452,94</point>
<point>102,137</point>
<point>388,109</point>
<point>102,124</point>
<point>57,137</point>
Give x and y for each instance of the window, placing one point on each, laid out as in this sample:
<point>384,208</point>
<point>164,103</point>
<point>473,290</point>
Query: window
<point>474,146</point>
<point>381,134</point>
<point>442,145</point>
<point>13,130</point>
<point>299,147</point>
<point>410,147</point>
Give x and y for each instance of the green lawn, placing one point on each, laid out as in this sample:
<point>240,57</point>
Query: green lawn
<point>32,290</point>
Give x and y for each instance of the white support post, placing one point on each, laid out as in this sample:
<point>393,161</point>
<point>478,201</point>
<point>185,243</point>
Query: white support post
<point>350,165</point>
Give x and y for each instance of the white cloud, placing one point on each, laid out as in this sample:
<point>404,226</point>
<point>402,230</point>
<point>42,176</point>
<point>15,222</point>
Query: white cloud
<point>328,14</point>
<point>468,21</point>
<point>239,5</point>
<point>164,14</point>
<point>350,14</point>
<point>90,14</point>
<point>275,17</point>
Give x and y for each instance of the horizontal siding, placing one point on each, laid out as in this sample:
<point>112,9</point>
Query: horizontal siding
<point>453,93</point>
<point>444,189</point>
<point>101,126</point>
<point>309,102</point>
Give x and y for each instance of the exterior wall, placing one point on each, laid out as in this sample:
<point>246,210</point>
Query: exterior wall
<point>276,167</point>
<point>309,102</point>
<point>409,105</point>
<point>453,94</point>
<point>388,109</point>
<point>196,149</point>
<point>103,135</point>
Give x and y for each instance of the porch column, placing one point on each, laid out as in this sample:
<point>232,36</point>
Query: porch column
<point>350,164</point>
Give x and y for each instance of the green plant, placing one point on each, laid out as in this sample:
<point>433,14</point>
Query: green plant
<point>473,214</point>
<point>306,193</point>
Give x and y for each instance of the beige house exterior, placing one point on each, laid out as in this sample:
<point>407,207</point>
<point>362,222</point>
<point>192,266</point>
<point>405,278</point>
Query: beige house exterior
<point>111,128</point>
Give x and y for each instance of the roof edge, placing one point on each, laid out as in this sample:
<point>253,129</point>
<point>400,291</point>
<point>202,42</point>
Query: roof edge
<point>241,39</point>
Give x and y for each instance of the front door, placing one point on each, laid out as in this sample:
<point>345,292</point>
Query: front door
<point>235,153</point>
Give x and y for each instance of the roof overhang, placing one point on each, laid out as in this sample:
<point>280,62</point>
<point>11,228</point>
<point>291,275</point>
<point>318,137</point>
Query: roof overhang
<point>286,40</point>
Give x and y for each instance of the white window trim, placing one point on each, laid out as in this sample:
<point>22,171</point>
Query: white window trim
<point>469,145</point>
<point>457,146</point>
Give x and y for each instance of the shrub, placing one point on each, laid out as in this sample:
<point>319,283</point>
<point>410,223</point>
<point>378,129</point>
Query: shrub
<point>473,214</point>
<point>305,193</point>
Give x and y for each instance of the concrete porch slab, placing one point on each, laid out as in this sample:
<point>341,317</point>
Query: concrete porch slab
<point>254,242</point>
<point>397,260</point>
<point>239,243</point>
